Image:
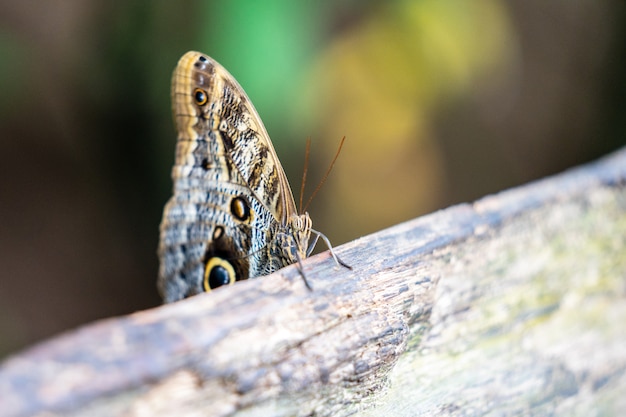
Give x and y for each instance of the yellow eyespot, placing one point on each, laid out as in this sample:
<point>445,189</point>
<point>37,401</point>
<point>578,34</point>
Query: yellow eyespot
<point>240,208</point>
<point>218,272</point>
<point>200,96</point>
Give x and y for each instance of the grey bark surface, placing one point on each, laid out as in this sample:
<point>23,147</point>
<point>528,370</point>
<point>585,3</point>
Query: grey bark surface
<point>512,305</point>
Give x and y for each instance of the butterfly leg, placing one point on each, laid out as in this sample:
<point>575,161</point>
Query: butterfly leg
<point>312,245</point>
<point>338,261</point>
<point>301,270</point>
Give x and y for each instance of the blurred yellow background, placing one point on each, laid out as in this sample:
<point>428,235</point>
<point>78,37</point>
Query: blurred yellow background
<point>440,101</point>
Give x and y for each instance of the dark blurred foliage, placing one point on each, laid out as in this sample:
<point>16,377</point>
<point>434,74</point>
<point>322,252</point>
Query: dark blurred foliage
<point>441,102</point>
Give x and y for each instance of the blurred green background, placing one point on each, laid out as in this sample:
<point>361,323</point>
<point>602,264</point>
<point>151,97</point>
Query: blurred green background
<point>440,101</point>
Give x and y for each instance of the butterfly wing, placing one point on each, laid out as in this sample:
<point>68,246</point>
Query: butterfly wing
<point>232,203</point>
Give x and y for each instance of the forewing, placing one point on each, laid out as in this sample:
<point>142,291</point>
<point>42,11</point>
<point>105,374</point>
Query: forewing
<point>232,118</point>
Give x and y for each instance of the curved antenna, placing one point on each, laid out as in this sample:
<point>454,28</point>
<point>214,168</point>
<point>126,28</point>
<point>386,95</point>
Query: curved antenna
<point>304,172</point>
<point>319,186</point>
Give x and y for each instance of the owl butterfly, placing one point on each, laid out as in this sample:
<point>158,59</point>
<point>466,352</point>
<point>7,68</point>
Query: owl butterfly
<point>232,215</point>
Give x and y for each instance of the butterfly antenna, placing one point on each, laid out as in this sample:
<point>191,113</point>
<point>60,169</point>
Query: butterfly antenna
<point>304,171</point>
<point>319,186</point>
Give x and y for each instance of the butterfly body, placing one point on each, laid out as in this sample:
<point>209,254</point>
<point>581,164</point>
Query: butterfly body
<point>232,215</point>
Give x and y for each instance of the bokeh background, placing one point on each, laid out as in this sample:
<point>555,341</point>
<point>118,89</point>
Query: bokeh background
<point>440,101</point>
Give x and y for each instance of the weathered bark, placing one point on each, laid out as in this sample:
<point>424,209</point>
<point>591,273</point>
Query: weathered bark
<point>515,304</point>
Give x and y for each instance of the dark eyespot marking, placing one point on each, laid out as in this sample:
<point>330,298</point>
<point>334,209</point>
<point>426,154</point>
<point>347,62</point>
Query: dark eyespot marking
<point>218,276</point>
<point>200,96</point>
<point>218,272</point>
<point>205,164</point>
<point>202,58</point>
<point>240,208</point>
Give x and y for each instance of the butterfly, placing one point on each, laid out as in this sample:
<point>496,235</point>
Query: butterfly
<point>232,215</point>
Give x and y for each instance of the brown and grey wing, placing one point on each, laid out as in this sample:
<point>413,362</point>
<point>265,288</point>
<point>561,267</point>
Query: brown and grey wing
<point>244,137</point>
<point>212,234</point>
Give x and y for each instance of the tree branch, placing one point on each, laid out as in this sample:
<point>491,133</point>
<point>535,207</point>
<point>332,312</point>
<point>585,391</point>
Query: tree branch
<point>515,304</point>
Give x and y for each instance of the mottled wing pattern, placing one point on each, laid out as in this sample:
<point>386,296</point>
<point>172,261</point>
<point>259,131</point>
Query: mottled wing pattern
<point>232,214</point>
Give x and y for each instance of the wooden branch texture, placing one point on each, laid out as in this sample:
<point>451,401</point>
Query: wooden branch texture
<point>513,305</point>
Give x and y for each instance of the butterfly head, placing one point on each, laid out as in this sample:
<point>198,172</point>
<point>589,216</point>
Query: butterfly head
<point>299,232</point>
